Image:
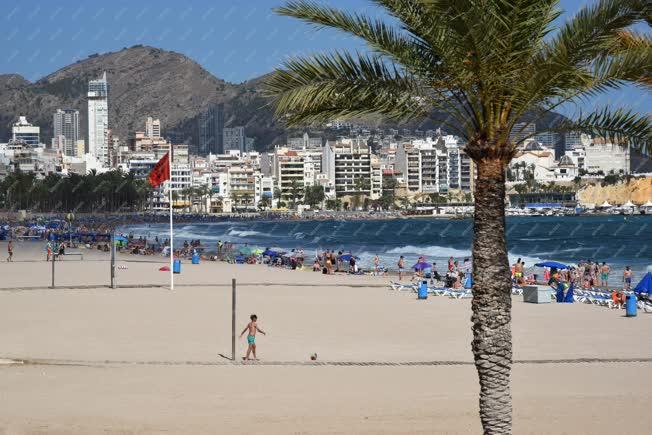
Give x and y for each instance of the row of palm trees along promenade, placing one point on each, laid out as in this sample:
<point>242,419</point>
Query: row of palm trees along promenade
<point>485,65</point>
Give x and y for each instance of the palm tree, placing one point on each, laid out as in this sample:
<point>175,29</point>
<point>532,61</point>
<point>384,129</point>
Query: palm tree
<point>478,67</point>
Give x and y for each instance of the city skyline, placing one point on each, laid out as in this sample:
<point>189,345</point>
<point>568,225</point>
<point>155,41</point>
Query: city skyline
<point>234,42</point>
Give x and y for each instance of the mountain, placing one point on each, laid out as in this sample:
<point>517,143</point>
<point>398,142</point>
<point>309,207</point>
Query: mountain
<point>142,81</point>
<point>145,81</point>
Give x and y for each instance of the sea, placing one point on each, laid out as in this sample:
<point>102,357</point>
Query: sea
<point>618,240</point>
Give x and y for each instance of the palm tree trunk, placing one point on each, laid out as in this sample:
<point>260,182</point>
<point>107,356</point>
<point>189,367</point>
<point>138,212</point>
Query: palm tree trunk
<point>492,299</point>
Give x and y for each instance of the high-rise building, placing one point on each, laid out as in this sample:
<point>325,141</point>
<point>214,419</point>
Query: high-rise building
<point>346,162</point>
<point>211,126</point>
<point>26,132</point>
<point>234,139</point>
<point>98,119</point>
<point>152,127</point>
<point>66,130</point>
<point>572,140</point>
<point>522,131</point>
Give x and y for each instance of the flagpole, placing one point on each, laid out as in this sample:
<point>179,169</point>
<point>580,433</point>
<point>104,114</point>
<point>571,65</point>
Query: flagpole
<point>171,229</point>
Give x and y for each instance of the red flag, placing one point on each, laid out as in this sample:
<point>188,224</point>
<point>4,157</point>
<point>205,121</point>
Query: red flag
<point>160,172</point>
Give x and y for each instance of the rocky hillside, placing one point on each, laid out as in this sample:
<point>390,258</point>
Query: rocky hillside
<point>637,190</point>
<point>145,81</point>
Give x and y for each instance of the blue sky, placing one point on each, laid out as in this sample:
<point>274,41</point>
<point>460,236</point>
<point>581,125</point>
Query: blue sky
<point>234,40</point>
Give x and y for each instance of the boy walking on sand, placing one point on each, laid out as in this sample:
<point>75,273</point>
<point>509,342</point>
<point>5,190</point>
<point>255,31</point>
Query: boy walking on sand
<point>252,327</point>
<point>10,251</point>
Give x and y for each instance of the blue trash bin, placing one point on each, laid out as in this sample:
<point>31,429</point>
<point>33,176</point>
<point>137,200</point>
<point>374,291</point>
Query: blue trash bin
<point>176,266</point>
<point>423,290</point>
<point>195,258</point>
<point>630,306</point>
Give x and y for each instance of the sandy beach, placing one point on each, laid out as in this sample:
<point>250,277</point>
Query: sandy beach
<point>142,359</point>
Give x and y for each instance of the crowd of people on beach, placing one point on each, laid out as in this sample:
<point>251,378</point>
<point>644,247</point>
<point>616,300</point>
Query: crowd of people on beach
<point>587,275</point>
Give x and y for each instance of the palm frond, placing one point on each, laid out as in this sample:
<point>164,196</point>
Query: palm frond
<point>341,85</point>
<point>619,126</point>
<point>406,49</point>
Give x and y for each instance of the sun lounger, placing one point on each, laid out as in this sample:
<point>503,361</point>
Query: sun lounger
<point>397,286</point>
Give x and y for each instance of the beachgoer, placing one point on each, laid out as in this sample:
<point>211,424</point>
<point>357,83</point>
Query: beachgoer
<point>518,270</point>
<point>252,327</point>
<point>62,249</point>
<point>604,275</point>
<point>627,278</point>
<point>48,248</point>
<point>401,267</point>
<point>10,251</point>
<point>451,264</point>
<point>328,265</point>
<point>352,268</point>
<point>376,264</point>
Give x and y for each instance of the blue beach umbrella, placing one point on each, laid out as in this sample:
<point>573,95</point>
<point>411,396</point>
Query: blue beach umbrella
<point>271,253</point>
<point>552,264</point>
<point>422,265</point>
<point>347,257</point>
<point>645,286</point>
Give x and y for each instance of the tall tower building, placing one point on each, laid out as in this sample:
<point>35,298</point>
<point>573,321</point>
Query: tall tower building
<point>152,127</point>
<point>98,119</point>
<point>66,130</point>
<point>211,128</point>
<point>234,139</point>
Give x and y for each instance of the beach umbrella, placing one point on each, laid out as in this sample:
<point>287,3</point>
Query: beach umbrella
<point>245,250</point>
<point>628,204</point>
<point>552,264</point>
<point>257,251</point>
<point>647,204</point>
<point>347,257</point>
<point>606,204</point>
<point>272,253</point>
<point>645,286</point>
<point>422,265</point>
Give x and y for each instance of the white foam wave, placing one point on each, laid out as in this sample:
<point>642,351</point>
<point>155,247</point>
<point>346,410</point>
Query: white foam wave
<point>431,251</point>
<point>246,233</point>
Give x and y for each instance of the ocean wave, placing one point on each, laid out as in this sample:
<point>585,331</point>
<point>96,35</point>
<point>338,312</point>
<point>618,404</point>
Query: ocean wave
<point>431,251</point>
<point>534,239</point>
<point>246,233</point>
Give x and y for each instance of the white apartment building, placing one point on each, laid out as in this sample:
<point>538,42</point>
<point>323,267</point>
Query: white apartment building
<point>290,174</point>
<point>376,178</point>
<point>98,120</point>
<point>152,127</point>
<point>66,131</point>
<point>578,157</point>
<point>244,188</point>
<point>346,162</point>
<point>602,155</point>
<point>434,165</point>
<point>26,132</point>
<point>180,179</point>
<point>305,142</point>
